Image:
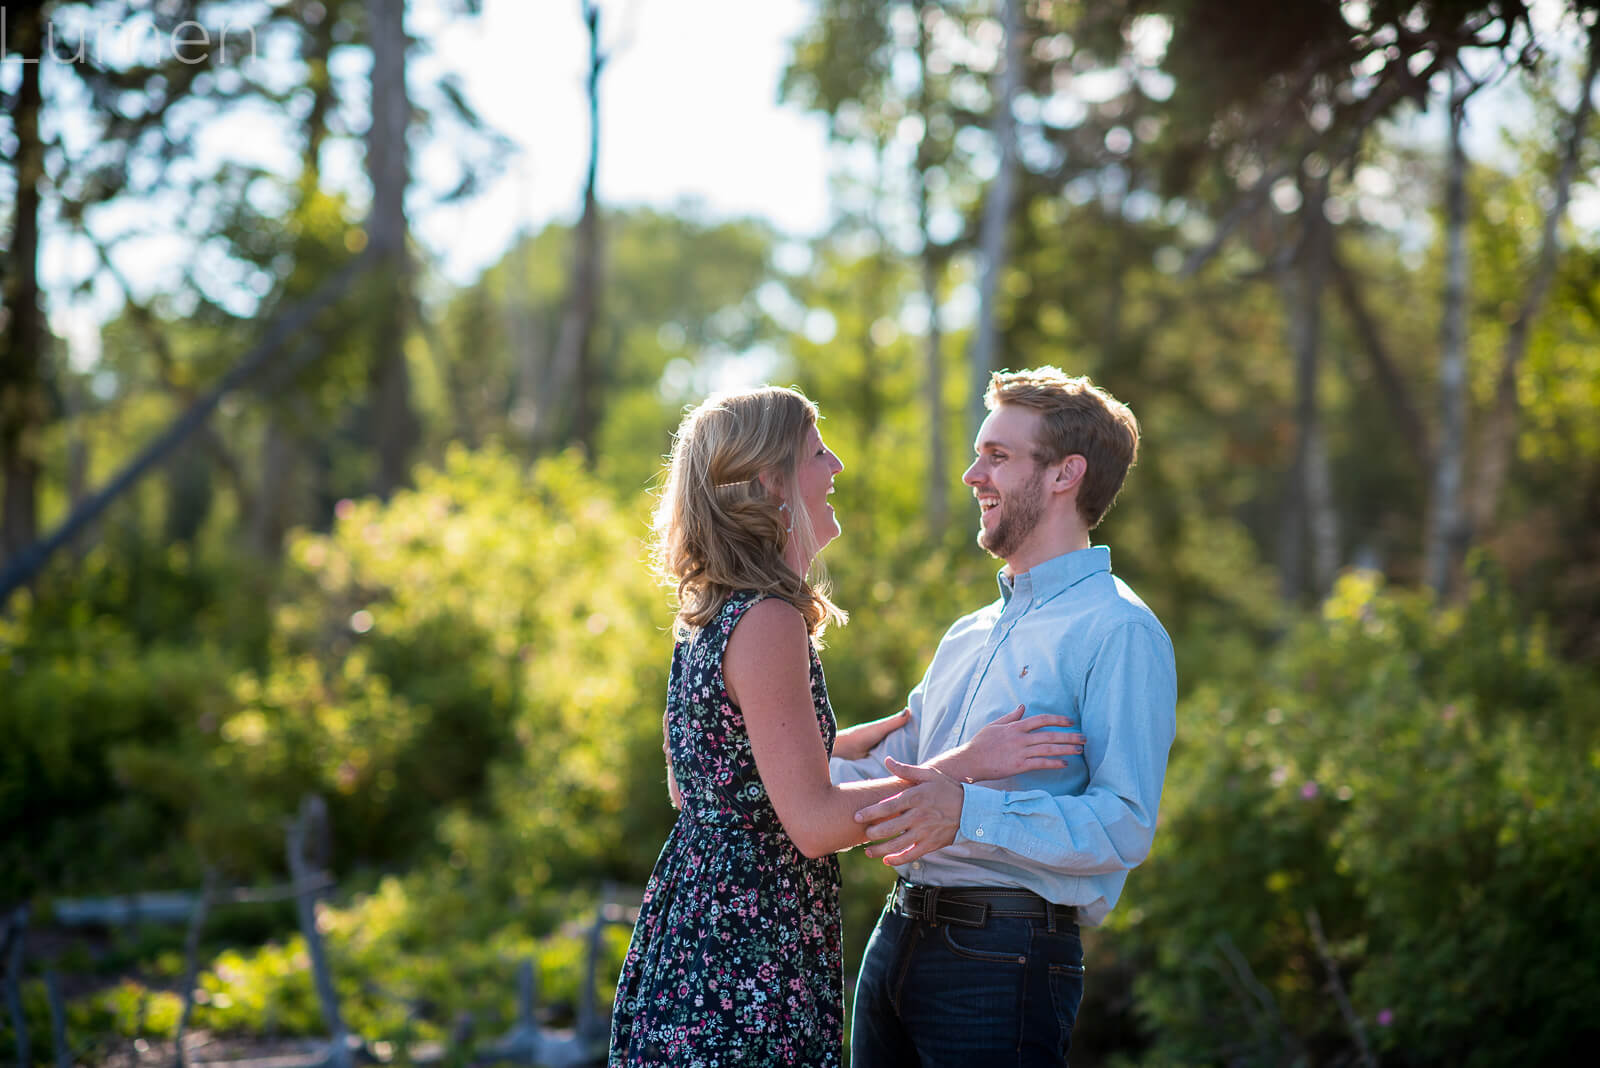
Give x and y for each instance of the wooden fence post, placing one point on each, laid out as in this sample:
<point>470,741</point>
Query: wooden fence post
<point>313,817</point>
<point>16,933</point>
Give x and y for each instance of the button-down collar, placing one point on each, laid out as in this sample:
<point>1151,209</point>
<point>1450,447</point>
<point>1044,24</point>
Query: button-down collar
<point>1055,576</point>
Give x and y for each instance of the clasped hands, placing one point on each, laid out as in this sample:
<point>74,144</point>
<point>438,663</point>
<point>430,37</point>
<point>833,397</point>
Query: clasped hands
<point>926,814</point>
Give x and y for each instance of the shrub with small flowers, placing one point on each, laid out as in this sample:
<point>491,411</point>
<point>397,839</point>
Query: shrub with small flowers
<point>1402,796</point>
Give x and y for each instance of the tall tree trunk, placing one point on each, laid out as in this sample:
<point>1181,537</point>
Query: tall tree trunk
<point>394,428</point>
<point>528,356</point>
<point>1499,441</point>
<point>24,404</point>
<point>569,366</point>
<point>1391,383</point>
<point>76,407</point>
<point>997,209</point>
<point>938,493</point>
<point>276,511</point>
<point>1446,527</point>
<point>1309,506</point>
<point>284,449</point>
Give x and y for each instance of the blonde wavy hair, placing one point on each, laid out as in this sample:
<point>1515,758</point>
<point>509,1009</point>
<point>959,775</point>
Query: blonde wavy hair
<point>718,529</point>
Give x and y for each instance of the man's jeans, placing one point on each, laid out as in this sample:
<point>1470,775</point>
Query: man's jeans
<point>948,996</point>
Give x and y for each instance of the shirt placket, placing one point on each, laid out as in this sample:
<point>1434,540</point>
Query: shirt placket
<point>1020,603</point>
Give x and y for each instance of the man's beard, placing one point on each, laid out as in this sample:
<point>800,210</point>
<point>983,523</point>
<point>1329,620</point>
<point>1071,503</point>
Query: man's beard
<point>1021,510</point>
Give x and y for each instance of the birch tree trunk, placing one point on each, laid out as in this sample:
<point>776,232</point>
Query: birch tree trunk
<point>393,423</point>
<point>1446,527</point>
<point>568,385</point>
<point>283,456</point>
<point>24,405</point>
<point>938,493</point>
<point>1498,446</point>
<point>1308,503</point>
<point>997,209</point>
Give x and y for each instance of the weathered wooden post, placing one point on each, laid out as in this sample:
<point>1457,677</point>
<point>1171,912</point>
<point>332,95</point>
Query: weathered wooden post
<point>191,959</point>
<point>522,1044</point>
<point>58,1019</point>
<point>11,950</point>
<point>313,817</point>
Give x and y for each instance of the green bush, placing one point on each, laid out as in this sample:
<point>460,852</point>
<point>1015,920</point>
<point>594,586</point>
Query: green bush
<point>1422,785</point>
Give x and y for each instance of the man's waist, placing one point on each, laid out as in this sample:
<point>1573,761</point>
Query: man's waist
<point>975,906</point>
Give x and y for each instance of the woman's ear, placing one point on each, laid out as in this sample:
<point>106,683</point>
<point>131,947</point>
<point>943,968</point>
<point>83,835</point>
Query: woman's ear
<point>769,482</point>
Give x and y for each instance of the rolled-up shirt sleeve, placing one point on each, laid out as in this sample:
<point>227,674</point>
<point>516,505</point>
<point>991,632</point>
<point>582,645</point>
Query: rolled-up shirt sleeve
<point>1129,720</point>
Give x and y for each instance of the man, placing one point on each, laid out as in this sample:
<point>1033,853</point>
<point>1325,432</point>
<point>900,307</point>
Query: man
<point>976,958</point>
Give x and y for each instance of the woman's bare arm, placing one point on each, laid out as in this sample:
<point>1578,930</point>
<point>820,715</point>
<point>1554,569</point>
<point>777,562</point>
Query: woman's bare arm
<point>766,667</point>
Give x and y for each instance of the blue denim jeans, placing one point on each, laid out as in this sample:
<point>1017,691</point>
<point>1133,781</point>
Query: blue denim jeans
<point>948,996</point>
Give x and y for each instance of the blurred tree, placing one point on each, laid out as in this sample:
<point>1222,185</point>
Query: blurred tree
<point>1447,531</point>
<point>25,404</point>
<point>932,261</point>
<point>1499,439</point>
<point>686,301</point>
<point>997,209</point>
<point>391,423</point>
<point>570,382</point>
<point>243,220</point>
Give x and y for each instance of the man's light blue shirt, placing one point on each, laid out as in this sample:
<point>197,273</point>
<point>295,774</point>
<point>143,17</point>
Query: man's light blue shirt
<point>1070,638</point>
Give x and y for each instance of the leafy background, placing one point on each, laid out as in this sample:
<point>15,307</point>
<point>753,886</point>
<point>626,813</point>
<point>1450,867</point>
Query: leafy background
<point>1377,835</point>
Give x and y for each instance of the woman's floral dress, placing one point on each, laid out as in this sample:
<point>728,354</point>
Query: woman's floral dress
<point>735,959</point>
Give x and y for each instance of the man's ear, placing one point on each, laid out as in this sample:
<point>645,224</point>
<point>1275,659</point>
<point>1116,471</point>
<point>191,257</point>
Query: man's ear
<point>1069,473</point>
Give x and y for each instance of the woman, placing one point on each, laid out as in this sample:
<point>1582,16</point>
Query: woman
<point>735,957</point>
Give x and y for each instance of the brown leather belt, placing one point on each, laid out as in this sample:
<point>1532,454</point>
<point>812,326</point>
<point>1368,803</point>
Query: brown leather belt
<point>972,906</point>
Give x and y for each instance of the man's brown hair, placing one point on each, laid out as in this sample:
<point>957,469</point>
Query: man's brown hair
<point>1078,418</point>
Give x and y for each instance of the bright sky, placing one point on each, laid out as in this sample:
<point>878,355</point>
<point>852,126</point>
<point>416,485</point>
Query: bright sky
<point>689,114</point>
<point>689,111</point>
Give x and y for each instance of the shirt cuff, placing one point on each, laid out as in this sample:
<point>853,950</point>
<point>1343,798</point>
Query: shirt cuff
<point>981,808</point>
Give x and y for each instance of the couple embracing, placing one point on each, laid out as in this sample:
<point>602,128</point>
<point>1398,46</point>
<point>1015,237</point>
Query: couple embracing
<point>1012,795</point>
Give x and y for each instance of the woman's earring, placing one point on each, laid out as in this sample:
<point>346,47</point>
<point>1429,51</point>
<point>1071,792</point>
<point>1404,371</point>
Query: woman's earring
<point>784,507</point>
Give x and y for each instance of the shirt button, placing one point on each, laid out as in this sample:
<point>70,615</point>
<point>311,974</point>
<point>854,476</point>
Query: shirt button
<point>917,864</point>
<point>1038,604</point>
<point>978,832</point>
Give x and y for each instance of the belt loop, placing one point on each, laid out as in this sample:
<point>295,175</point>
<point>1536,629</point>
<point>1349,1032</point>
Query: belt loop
<point>1050,916</point>
<point>930,904</point>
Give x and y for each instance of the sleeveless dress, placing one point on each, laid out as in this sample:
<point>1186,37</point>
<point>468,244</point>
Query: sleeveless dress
<point>735,959</point>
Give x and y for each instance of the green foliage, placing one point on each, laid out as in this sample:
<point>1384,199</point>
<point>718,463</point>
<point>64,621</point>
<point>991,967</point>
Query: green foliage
<point>472,672</point>
<point>1418,782</point>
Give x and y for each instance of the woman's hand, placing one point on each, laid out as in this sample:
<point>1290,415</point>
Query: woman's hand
<point>853,743</point>
<point>1012,745</point>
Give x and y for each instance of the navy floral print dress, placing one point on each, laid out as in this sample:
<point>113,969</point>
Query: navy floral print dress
<point>735,959</point>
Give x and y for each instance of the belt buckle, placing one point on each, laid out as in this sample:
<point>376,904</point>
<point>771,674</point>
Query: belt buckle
<point>907,900</point>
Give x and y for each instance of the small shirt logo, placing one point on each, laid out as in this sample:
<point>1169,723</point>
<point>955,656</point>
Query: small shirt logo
<point>1023,673</point>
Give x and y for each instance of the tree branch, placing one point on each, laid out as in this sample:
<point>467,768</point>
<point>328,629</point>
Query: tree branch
<point>1499,440</point>
<point>1390,381</point>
